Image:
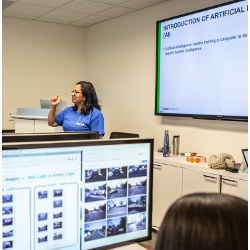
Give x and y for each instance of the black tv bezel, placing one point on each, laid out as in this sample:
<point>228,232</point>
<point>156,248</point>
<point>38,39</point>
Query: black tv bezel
<point>55,136</point>
<point>244,150</point>
<point>79,143</point>
<point>194,116</point>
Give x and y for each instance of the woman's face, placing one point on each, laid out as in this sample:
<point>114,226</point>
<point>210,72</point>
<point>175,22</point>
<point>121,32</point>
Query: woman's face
<point>77,97</point>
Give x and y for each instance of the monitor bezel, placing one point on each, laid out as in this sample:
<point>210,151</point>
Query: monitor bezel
<point>79,143</point>
<point>245,150</point>
<point>55,136</point>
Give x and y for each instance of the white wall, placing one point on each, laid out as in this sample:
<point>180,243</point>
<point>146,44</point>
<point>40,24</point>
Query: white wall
<point>118,56</point>
<point>121,56</point>
<point>38,60</point>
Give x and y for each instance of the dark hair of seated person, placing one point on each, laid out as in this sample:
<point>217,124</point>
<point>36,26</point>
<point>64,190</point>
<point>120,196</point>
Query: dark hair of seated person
<point>205,221</point>
<point>91,99</point>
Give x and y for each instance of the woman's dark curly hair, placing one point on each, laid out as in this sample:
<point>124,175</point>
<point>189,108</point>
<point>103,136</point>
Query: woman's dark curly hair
<point>91,99</point>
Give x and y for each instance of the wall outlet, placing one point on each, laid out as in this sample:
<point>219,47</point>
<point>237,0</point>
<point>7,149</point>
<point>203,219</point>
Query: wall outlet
<point>9,118</point>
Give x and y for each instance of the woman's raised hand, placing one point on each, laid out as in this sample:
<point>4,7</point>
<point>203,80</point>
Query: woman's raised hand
<point>55,100</point>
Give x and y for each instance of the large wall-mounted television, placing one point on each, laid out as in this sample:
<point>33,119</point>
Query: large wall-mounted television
<point>202,63</point>
<point>76,194</point>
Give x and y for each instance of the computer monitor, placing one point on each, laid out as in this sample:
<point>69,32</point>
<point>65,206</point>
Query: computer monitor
<point>245,154</point>
<point>46,103</point>
<point>56,136</point>
<point>76,194</point>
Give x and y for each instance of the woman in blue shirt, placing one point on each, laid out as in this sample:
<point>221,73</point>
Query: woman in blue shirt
<point>85,115</point>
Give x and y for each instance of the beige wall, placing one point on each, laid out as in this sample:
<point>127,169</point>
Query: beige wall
<point>118,56</point>
<point>38,60</point>
<point>121,62</point>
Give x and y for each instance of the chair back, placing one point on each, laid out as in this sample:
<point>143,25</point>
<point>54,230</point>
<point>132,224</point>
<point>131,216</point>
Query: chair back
<point>115,135</point>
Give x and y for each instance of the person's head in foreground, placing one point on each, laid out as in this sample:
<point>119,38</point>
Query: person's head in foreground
<point>205,221</point>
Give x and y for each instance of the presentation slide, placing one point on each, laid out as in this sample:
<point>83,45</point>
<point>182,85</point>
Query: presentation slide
<point>203,62</point>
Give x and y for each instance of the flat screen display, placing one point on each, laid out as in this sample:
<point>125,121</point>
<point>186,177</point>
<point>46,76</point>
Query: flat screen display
<point>76,195</point>
<point>46,103</point>
<point>202,63</point>
<point>56,136</point>
<point>245,154</point>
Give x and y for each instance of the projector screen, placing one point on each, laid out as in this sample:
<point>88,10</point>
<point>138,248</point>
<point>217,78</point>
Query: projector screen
<point>202,63</point>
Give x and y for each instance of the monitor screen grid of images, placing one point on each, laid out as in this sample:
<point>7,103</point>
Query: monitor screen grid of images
<point>116,200</point>
<point>85,197</point>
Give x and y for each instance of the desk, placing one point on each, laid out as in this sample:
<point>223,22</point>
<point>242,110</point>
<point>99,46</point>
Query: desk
<point>30,120</point>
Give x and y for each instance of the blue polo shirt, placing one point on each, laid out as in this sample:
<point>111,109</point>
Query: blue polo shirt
<point>73,121</point>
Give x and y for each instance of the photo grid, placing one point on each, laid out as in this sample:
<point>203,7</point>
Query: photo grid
<point>16,213</point>
<point>51,215</point>
<point>49,220</point>
<point>8,221</point>
<point>115,201</point>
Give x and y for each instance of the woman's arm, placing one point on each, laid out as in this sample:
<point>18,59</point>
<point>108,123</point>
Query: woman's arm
<point>52,117</point>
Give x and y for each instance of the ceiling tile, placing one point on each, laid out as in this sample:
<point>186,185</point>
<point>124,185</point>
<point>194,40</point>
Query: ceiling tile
<point>65,15</point>
<point>80,24</point>
<point>16,15</point>
<point>52,20</point>
<point>92,19</point>
<point>6,4</point>
<point>139,4</point>
<point>113,2</point>
<point>86,6</point>
<point>115,12</point>
<point>48,3</point>
<point>27,9</point>
<point>73,12</point>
